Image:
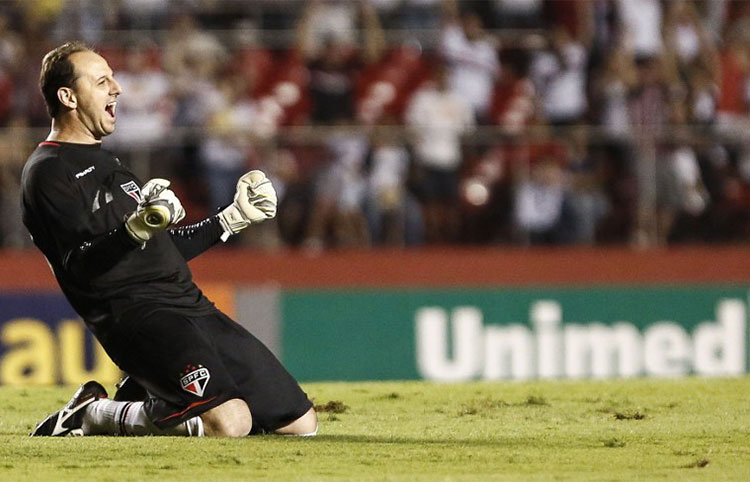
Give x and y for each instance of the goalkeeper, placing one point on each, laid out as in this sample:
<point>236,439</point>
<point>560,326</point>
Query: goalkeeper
<point>121,261</point>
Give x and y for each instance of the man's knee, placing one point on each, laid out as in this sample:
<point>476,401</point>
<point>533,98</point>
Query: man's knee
<point>231,419</point>
<point>306,425</point>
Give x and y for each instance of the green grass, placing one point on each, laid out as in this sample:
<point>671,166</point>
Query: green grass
<point>637,430</point>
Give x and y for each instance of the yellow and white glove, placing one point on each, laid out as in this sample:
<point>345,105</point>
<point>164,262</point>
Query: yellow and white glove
<point>254,201</point>
<point>158,209</point>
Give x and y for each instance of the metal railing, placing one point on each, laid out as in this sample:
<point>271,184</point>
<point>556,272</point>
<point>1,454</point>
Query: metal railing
<point>645,146</point>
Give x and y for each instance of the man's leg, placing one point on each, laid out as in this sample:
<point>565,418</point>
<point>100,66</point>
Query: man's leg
<point>228,419</point>
<point>129,418</point>
<point>231,419</point>
<point>275,399</point>
<point>305,425</point>
<point>90,412</point>
<point>174,367</point>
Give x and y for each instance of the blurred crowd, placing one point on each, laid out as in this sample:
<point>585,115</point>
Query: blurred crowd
<point>416,122</point>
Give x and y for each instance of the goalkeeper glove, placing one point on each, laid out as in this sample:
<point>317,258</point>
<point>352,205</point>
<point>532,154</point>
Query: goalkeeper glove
<point>254,201</point>
<point>158,209</point>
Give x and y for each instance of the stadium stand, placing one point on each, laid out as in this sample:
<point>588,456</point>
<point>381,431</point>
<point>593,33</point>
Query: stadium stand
<point>693,146</point>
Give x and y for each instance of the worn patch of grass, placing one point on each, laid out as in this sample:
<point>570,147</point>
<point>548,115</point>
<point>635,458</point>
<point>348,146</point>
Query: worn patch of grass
<point>336,407</point>
<point>613,443</point>
<point>637,415</point>
<point>690,430</point>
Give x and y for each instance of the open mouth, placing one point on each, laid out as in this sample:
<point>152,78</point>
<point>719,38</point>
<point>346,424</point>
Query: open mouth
<point>111,109</point>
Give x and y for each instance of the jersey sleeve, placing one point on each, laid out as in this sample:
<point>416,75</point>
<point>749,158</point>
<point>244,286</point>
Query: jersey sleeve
<point>61,208</point>
<point>194,239</point>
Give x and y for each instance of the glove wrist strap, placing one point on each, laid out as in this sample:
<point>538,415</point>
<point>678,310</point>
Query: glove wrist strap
<point>232,221</point>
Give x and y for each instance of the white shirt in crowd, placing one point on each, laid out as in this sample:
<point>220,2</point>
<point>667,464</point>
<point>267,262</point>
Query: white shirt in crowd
<point>642,23</point>
<point>687,173</point>
<point>473,67</point>
<point>230,123</point>
<point>538,206</point>
<point>344,182</point>
<point>143,114</point>
<point>390,166</point>
<point>334,19</point>
<point>438,119</point>
<point>562,84</point>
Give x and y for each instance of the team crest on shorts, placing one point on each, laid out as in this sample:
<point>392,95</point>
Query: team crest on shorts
<point>195,380</point>
<point>132,189</point>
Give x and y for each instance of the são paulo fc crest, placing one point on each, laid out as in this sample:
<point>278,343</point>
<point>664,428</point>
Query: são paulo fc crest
<point>195,380</point>
<point>132,189</point>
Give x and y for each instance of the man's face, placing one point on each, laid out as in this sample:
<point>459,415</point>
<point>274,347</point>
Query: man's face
<point>96,93</point>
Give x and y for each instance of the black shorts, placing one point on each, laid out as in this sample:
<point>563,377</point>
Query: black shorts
<point>192,363</point>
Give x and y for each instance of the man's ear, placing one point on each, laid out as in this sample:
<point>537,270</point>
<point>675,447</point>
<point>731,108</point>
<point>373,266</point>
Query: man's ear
<point>67,97</point>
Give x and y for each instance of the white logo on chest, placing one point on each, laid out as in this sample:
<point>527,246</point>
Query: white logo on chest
<point>85,172</point>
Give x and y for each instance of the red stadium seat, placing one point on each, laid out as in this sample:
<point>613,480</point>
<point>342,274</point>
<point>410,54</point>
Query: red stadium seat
<point>384,89</point>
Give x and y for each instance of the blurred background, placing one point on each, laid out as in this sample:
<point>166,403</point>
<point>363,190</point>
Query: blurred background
<point>416,122</point>
<point>492,189</point>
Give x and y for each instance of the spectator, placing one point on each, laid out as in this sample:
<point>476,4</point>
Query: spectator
<point>685,37</point>
<point>577,17</point>
<point>323,21</point>
<point>26,100</point>
<point>559,74</point>
<point>11,46</point>
<point>471,57</point>
<point>611,91</point>
<point>541,208</point>
<point>438,118</point>
<point>394,216</point>
<point>146,107</point>
<point>84,19</point>
<point>337,218</point>
<point>684,196</point>
<point>704,93</point>
<point>333,57</point>
<point>514,101</point>
<point>15,143</point>
<point>735,71</point>
<point>642,27</point>
<point>657,100</point>
<point>11,64</point>
<point>187,47</point>
<point>588,202</point>
<point>656,79</point>
<point>715,14</point>
<point>225,150</point>
<point>192,59</point>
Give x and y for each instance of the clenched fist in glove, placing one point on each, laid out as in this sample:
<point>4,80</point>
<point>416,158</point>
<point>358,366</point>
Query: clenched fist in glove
<point>254,201</point>
<point>158,209</point>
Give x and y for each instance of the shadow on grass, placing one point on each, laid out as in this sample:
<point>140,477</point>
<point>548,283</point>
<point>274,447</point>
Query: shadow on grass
<point>402,440</point>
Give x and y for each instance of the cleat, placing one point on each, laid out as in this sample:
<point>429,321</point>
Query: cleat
<point>69,419</point>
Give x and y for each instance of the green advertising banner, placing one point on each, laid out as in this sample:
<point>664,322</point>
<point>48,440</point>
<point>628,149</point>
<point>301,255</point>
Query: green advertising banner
<point>510,333</point>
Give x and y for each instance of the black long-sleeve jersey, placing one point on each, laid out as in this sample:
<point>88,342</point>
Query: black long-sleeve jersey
<point>75,200</point>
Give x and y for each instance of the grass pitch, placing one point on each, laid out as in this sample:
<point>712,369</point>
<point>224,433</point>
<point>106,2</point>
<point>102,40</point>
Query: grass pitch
<point>637,430</point>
